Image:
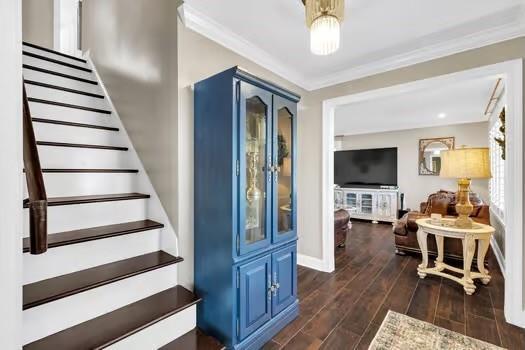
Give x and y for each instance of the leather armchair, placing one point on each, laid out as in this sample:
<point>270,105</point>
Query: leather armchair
<point>444,203</point>
<point>341,221</point>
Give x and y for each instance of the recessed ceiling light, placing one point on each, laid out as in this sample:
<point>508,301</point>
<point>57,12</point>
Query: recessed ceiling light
<point>442,115</point>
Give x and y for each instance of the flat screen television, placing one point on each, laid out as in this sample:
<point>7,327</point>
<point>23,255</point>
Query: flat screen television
<point>366,167</point>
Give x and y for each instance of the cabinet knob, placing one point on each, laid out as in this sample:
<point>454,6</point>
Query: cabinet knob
<point>275,287</point>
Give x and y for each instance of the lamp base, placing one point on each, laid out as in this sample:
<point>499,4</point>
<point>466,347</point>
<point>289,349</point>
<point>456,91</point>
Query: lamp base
<point>463,206</point>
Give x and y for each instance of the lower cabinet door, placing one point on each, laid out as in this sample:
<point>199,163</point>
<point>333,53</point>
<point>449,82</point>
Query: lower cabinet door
<point>254,295</point>
<point>284,278</point>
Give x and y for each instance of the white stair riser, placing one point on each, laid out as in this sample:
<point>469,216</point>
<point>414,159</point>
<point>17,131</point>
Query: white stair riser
<point>59,68</point>
<point>161,333</point>
<point>68,134</point>
<point>50,94</point>
<point>70,157</point>
<point>54,56</point>
<point>53,317</point>
<point>42,321</point>
<point>42,110</point>
<point>84,184</point>
<point>52,79</point>
<point>78,216</point>
<point>75,257</point>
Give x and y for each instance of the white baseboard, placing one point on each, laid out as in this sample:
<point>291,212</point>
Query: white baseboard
<point>499,255</point>
<point>312,263</point>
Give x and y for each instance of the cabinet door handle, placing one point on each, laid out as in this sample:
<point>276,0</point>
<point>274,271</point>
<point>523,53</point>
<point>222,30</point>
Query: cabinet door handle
<point>276,284</point>
<point>270,170</point>
<point>273,290</point>
<point>270,287</point>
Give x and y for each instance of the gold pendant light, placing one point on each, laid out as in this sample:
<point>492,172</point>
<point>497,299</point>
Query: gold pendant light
<point>323,18</point>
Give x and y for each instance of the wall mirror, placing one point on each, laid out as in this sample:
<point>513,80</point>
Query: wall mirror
<point>430,154</point>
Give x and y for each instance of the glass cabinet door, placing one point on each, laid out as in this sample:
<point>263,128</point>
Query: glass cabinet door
<point>351,200</point>
<point>367,204</point>
<point>254,172</point>
<point>284,213</point>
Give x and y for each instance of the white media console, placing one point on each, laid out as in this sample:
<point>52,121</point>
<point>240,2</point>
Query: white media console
<point>371,204</point>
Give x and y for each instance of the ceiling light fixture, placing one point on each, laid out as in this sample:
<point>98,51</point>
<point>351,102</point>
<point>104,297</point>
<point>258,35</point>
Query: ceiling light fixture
<point>323,18</point>
<point>442,115</point>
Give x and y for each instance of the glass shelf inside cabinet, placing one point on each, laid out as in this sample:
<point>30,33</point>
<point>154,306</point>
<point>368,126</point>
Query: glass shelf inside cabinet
<point>284,164</point>
<point>255,142</point>
<point>351,200</point>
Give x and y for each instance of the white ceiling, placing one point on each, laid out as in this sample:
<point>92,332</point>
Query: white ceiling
<point>462,102</point>
<point>377,35</point>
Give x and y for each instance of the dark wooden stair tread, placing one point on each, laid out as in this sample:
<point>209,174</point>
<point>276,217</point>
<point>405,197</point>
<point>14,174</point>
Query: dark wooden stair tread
<point>55,288</point>
<point>109,328</point>
<point>81,125</point>
<point>68,105</point>
<point>52,60</point>
<point>59,171</point>
<point>62,88</point>
<point>80,145</point>
<point>55,201</point>
<point>53,51</point>
<point>194,340</point>
<point>93,233</point>
<point>58,74</point>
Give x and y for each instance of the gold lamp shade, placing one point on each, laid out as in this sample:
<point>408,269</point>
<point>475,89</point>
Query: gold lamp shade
<point>465,164</point>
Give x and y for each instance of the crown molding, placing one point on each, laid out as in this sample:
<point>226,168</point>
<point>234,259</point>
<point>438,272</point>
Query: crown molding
<point>214,31</point>
<point>513,26</point>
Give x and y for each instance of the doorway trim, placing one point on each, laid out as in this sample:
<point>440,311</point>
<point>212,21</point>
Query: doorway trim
<point>67,9</point>
<point>512,71</point>
<point>11,175</point>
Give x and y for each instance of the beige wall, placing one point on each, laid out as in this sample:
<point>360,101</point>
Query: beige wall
<point>417,187</point>
<point>135,51</point>
<point>37,22</point>
<point>310,161</point>
<point>149,83</point>
<point>137,70</point>
<point>200,58</point>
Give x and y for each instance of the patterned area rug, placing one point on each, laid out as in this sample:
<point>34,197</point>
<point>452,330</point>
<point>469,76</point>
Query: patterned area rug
<point>401,332</point>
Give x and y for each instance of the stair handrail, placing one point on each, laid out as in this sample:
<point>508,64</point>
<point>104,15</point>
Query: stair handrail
<point>37,199</point>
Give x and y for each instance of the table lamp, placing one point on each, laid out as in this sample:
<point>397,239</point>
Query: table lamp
<point>465,164</point>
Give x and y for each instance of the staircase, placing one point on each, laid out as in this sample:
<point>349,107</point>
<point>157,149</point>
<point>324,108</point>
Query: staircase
<point>109,276</point>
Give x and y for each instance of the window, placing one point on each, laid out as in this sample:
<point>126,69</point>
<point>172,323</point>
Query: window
<point>497,167</point>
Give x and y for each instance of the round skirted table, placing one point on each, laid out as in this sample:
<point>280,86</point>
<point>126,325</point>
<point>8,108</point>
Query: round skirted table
<point>445,228</point>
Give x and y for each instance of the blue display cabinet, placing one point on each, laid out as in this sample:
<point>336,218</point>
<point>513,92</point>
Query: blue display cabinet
<point>245,217</point>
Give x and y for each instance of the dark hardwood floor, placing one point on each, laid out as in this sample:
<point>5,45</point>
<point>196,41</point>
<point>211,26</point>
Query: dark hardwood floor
<point>344,309</point>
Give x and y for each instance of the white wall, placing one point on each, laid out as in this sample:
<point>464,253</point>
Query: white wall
<point>66,26</point>
<point>417,187</point>
<point>11,175</point>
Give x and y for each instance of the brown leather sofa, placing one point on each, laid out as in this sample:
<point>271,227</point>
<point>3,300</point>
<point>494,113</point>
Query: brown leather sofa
<point>444,203</point>
<point>341,220</point>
